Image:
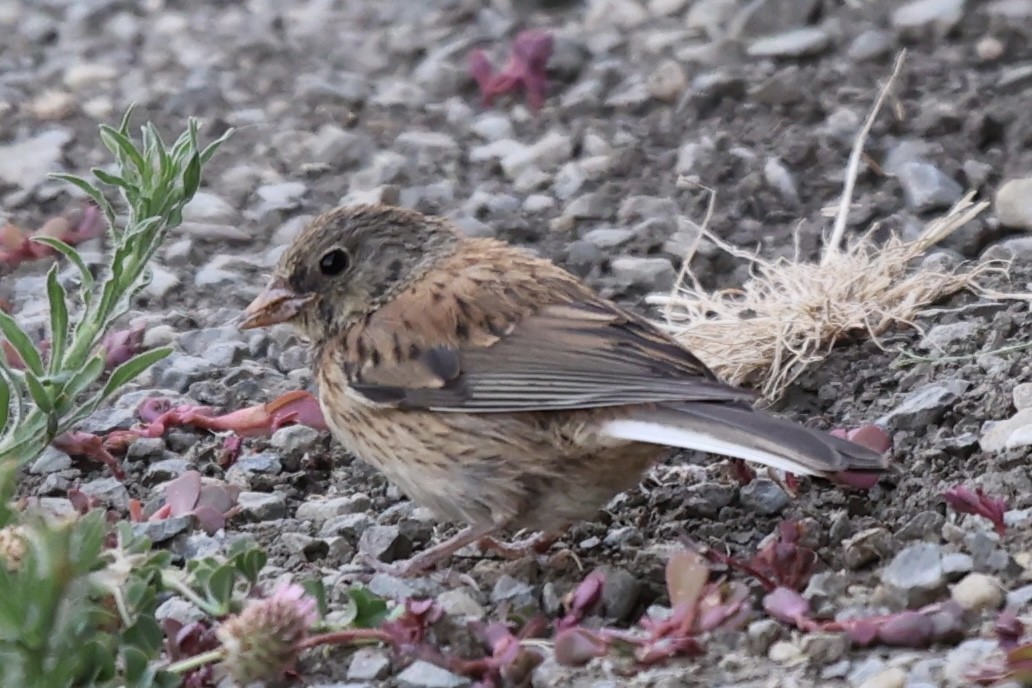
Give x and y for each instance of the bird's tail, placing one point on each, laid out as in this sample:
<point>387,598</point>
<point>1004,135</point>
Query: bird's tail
<point>744,433</point>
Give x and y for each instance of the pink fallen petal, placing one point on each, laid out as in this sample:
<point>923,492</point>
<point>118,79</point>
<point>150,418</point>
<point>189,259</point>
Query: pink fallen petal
<point>181,493</point>
<point>786,605</point>
<point>77,443</point>
<point>907,629</point>
<point>578,646</point>
<point>687,573</point>
<point>122,345</point>
<point>965,501</point>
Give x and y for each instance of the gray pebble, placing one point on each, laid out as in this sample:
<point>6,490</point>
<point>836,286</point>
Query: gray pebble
<point>916,574</point>
<point>369,664</point>
<point>873,544</point>
<point>262,506</point>
<point>165,470</point>
<point>264,462</point>
<point>940,15</point>
<point>926,187</point>
<point>350,526</point>
<point>384,543</point>
<point>422,674</point>
<point>940,337</point>
<point>620,591</point>
<point>795,43</point>
<point>956,564</point>
<point>164,529</point>
<point>516,593</point>
<point>871,44</point>
<point>459,603</point>
<point>1013,203</point>
<point>708,498</point>
<point>652,274</point>
<point>320,510</point>
<point>51,460</point>
<point>763,496</point>
<point>925,405</point>
<point>109,491</point>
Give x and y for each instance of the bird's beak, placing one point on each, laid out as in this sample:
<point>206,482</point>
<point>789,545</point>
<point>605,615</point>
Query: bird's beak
<point>276,304</point>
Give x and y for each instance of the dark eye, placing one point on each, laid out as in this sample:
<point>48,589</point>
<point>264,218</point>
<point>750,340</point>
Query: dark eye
<point>334,262</point>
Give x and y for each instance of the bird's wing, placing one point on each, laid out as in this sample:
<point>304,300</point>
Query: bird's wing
<point>526,337</point>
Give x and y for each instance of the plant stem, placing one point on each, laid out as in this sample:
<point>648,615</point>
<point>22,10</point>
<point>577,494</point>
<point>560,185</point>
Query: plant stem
<point>190,663</point>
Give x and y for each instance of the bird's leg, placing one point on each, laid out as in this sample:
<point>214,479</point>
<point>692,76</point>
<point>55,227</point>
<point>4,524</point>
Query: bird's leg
<point>429,558</point>
<point>517,549</point>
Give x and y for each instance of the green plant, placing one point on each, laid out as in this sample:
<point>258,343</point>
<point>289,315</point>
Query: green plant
<point>53,392</point>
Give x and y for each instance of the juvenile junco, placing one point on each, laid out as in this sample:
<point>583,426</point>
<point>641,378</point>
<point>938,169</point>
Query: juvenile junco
<point>494,387</point>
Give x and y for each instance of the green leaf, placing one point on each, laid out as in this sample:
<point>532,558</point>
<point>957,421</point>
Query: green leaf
<point>84,377</point>
<point>17,338</point>
<point>5,402</point>
<point>315,588</point>
<point>128,371</point>
<point>219,586</point>
<point>58,319</point>
<point>192,177</point>
<point>144,634</point>
<point>118,142</point>
<point>114,180</point>
<point>90,190</point>
<point>85,276</point>
<point>370,610</point>
<point>38,392</point>
<point>136,662</point>
<point>213,147</point>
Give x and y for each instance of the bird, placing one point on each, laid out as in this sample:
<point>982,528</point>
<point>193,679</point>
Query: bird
<point>499,390</point>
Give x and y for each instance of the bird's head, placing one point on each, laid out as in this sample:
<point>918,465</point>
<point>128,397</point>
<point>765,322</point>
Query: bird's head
<point>346,264</point>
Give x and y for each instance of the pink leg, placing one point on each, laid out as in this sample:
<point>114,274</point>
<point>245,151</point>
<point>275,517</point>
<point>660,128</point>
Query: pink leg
<point>535,544</point>
<point>429,558</point>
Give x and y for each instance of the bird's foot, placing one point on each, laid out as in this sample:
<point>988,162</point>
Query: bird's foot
<point>535,546</point>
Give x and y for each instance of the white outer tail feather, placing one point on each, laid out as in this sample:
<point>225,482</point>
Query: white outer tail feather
<point>660,433</point>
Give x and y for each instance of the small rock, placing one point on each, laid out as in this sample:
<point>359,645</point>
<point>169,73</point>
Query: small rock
<point>916,573</point>
<point>925,405</point>
<point>282,196</point>
<point>369,664</point>
<point>893,677</point>
<point>620,591</point>
<point>516,593</point>
<point>940,337</point>
<point>978,591</point>
<point>970,653</point>
<point>800,42</point>
<point>609,238</point>
<point>919,15</point>
<point>165,470</point>
<point>652,274</point>
<point>164,529</point>
<point>27,163</point>
<point>764,496</point>
<point>321,510</point>
<point>761,634</point>
<point>1022,395</point>
<point>1014,203</point>
<point>922,526</point>
<point>422,674</point>
<point>351,526</point>
<point>667,81</point>
<point>926,187</point>
<point>956,564</point>
<point>384,543</point>
<point>108,491</point>
<point>871,44</point>
<point>294,440</point>
<point>1015,431</point>
<point>51,461</point>
<point>708,498</point>
<point>780,179</point>
<point>263,462</point>
<point>873,544</point>
<point>458,603</point>
<point>1019,598</point>
<point>262,506</point>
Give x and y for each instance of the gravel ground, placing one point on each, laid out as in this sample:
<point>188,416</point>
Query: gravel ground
<point>351,101</point>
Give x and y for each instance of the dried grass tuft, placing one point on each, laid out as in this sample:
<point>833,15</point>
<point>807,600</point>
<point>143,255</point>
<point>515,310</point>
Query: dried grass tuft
<point>790,314</point>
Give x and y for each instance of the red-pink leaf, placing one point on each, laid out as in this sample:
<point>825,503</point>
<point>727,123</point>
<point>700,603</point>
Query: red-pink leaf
<point>686,575</point>
<point>907,629</point>
<point>578,646</point>
<point>786,605</point>
<point>181,494</point>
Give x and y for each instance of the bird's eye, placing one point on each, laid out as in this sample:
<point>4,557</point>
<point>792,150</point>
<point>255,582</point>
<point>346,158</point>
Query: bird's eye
<point>334,262</point>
